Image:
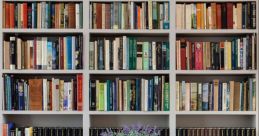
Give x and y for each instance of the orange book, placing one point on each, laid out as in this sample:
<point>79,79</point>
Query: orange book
<point>7,15</point>
<point>139,17</point>
<point>5,127</point>
<point>198,14</point>
<point>11,14</point>
<point>218,16</point>
<point>35,94</point>
<point>25,15</point>
<point>202,16</point>
<point>79,92</point>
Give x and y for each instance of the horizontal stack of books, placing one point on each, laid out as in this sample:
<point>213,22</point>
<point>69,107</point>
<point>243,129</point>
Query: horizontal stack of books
<point>43,93</point>
<point>237,54</point>
<point>99,131</point>
<point>43,53</point>
<point>215,131</point>
<point>129,15</point>
<point>42,15</point>
<point>216,95</point>
<point>9,129</point>
<point>139,94</point>
<point>126,53</point>
<point>216,15</point>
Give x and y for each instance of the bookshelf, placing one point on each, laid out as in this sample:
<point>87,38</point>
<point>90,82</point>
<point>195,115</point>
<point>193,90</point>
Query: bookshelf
<point>172,118</point>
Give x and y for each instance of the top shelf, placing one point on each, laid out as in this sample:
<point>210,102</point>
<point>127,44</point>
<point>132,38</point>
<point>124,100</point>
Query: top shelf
<point>43,0</point>
<point>214,1</point>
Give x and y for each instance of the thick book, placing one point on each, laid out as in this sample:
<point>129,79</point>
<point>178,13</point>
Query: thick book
<point>35,94</point>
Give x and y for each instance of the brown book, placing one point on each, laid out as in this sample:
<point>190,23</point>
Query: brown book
<point>35,94</point>
<point>202,16</point>
<point>218,16</point>
<point>71,15</point>
<point>6,55</point>
<point>239,15</point>
<point>23,55</point>
<point>237,96</point>
<point>198,14</point>
<point>26,55</point>
<point>232,93</point>
<point>216,94</point>
<point>99,15</point>
<point>214,15</point>
<point>229,15</point>
<point>107,16</point>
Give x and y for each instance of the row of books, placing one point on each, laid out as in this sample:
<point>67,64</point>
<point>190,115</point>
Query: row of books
<point>42,15</point>
<point>43,93</point>
<point>126,53</point>
<point>130,15</point>
<point>215,132</point>
<point>216,15</point>
<point>216,95</point>
<point>43,53</point>
<point>239,53</point>
<point>140,94</point>
<point>9,129</point>
<point>99,131</point>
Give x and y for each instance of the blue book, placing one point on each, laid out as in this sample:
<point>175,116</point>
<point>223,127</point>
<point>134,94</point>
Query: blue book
<point>69,52</point>
<point>220,97</point>
<point>242,96</point>
<point>33,15</point>
<point>112,15</point>
<point>205,97</point>
<point>49,55</point>
<point>111,96</point>
<point>21,96</point>
<point>108,95</point>
<point>233,46</point>
<point>228,98</point>
<point>150,56</point>
<point>54,56</point>
<point>138,94</point>
<point>115,95</point>
<point>150,95</point>
<point>46,15</point>
<point>52,15</point>
<point>100,54</point>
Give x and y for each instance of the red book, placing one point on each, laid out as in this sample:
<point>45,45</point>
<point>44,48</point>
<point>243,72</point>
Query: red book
<point>79,92</point>
<point>198,56</point>
<point>107,16</point>
<point>7,15</point>
<point>190,55</point>
<point>99,15</point>
<point>218,16</point>
<point>139,17</point>
<point>183,55</point>
<point>25,15</point>
<point>61,53</point>
<point>11,15</point>
<point>230,15</point>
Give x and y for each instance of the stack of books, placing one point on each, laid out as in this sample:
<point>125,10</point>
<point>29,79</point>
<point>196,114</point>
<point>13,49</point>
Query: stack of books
<point>127,53</point>
<point>42,15</point>
<point>216,15</point>
<point>216,95</point>
<point>139,94</point>
<point>43,93</point>
<point>129,15</point>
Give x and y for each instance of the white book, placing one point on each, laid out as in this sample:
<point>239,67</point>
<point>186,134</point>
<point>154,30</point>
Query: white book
<point>244,53</point>
<point>182,16</point>
<point>225,56</point>
<point>55,94</point>
<point>188,16</point>
<point>146,95</point>
<point>73,52</point>
<point>132,21</point>
<point>177,86</point>
<point>78,16</point>
<point>107,54</point>
<point>154,55</point>
<point>39,53</point>
<point>105,95</point>
<point>124,52</point>
<point>45,95</point>
<point>150,24</point>
<point>19,53</point>
<point>115,53</point>
<point>224,96</point>
<point>166,11</point>
<point>65,15</point>
<point>43,11</point>
<point>204,15</point>
<point>90,16</point>
<point>44,52</point>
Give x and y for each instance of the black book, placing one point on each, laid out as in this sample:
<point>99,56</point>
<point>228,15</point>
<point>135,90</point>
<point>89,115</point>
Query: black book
<point>100,49</point>
<point>249,40</point>
<point>92,95</point>
<point>221,56</point>
<point>29,16</point>
<point>164,56</point>
<point>80,66</point>
<point>75,94</point>
<point>244,15</point>
<point>224,16</point>
<point>13,52</point>
<point>120,54</point>
<point>133,95</point>
<point>158,55</point>
<point>111,54</point>
<point>216,58</point>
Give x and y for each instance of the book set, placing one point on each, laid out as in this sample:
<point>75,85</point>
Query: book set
<point>129,15</point>
<point>43,53</point>
<point>140,94</point>
<point>226,15</point>
<point>89,67</point>
<point>128,53</point>
<point>42,15</point>
<point>216,95</point>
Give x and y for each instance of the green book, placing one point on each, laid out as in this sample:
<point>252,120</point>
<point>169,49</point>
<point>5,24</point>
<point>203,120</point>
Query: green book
<point>81,15</point>
<point>134,53</point>
<point>130,52</point>
<point>101,96</point>
<point>166,97</point>
<point>128,94</point>
<point>145,56</point>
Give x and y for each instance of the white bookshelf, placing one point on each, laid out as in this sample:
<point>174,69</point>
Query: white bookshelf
<point>172,118</point>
